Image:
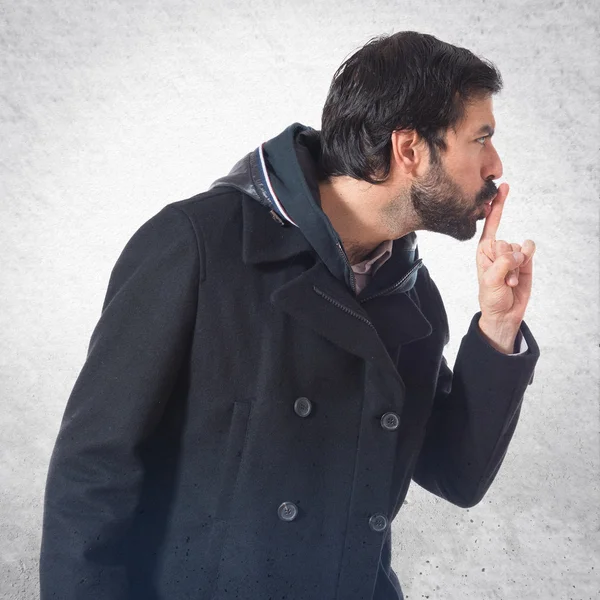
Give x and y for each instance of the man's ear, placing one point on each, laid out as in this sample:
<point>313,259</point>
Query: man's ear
<point>409,151</point>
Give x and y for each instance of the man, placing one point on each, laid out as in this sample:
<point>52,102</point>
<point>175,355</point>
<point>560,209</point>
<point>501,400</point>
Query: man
<point>267,375</point>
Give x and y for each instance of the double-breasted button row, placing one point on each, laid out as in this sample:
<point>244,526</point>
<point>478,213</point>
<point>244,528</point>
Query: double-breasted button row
<point>288,511</point>
<point>303,407</point>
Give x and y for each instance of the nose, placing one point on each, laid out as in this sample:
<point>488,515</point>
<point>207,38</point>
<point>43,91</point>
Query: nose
<point>492,168</point>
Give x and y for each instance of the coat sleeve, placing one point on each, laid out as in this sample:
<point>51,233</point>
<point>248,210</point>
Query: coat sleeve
<point>136,351</point>
<point>474,415</point>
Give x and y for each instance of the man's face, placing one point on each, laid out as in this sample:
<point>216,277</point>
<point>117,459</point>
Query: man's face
<point>450,197</point>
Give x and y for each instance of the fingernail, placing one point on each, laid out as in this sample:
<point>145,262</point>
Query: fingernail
<point>519,256</point>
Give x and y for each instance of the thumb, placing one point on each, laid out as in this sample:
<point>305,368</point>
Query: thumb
<point>496,274</point>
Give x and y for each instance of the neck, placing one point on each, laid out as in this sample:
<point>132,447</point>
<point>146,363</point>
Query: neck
<point>364,215</point>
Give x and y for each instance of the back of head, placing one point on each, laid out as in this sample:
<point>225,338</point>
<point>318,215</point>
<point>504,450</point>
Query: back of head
<point>407,80</point>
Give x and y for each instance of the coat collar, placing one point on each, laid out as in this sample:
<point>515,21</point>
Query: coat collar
<point>265,240</point>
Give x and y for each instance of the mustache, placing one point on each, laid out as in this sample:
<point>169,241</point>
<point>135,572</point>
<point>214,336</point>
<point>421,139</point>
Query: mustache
<point>487,193</point>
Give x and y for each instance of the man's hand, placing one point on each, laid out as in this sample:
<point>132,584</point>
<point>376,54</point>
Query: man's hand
<point>504,279</point>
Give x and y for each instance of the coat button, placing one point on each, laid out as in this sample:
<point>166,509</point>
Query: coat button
<point>302,407</point>
<point>287,511</point>
<point>390,421</point>
<point>378,522</point>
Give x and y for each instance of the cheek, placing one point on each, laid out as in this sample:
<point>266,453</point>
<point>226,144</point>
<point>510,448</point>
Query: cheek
<point>464,167</point>
<point>468,181</point>
<point>464,170</point>
<point>468,175</point>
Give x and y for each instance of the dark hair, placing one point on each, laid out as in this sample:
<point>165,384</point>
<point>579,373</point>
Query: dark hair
<point>407,80</point>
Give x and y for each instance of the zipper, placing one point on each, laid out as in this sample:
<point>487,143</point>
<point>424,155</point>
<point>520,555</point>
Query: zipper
<point>345,257</point>
<point>344,308</point>
<point>390,289</point>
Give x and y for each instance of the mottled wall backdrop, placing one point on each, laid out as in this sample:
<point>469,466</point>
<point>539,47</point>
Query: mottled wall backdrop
<point>109,111</point>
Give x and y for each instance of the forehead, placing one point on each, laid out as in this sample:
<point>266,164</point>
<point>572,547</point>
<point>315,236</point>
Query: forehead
<point>479,114</point>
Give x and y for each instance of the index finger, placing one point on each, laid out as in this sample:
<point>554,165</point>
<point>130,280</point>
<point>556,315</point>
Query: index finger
<point>492,221</point>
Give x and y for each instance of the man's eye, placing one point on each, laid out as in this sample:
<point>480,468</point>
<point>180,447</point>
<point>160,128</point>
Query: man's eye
<point>485,137</point>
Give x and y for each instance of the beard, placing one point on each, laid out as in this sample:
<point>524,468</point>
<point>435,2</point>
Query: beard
<point>442,207</point>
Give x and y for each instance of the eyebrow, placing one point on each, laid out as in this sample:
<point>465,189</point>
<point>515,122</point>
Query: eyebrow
<point>485,129</point>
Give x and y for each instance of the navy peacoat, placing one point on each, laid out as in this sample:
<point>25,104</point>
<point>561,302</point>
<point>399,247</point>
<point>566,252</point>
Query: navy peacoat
<point>244,425</point>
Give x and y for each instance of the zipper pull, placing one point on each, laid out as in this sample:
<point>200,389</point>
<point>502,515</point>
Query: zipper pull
<point>277,218</point>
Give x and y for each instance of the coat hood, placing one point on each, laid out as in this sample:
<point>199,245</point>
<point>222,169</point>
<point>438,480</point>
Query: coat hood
<point>283,175</point>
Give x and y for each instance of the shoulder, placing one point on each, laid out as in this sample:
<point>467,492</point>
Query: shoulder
<point>210,206</point>
<point>176,234</point>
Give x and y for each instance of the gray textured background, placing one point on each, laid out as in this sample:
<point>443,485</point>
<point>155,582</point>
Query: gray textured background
<point>111,110</point>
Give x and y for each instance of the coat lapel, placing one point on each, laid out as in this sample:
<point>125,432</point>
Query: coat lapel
<point>322,303</point>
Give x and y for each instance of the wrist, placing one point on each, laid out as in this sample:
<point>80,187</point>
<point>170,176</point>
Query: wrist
<point>501,336</point>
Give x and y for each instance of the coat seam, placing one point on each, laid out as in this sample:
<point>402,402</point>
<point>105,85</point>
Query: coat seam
<point>199,245</point>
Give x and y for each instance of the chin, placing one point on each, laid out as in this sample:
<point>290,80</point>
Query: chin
<point>465,237</point>
<point>462,229</point>
<point>464,232</point>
